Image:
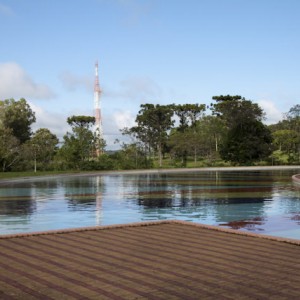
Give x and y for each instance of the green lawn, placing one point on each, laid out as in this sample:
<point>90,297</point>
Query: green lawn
<point>9,175</point>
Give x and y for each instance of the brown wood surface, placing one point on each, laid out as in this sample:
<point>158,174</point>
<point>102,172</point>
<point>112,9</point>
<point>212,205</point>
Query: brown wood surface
<point>163,260</point>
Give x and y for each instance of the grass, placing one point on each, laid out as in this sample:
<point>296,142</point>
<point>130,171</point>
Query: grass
<point>167,163</point>
<point>190,163</point>
<point>11,175</point>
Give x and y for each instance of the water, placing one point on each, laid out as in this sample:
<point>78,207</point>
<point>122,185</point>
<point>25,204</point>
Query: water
<point>259,201</point>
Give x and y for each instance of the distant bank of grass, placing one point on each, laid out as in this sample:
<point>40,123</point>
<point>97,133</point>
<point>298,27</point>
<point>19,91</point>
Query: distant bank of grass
<point>11,175</point>
<point>167,163</point>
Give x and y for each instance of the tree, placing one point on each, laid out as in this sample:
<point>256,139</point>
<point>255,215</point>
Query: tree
<point>43,145</point>
<point>18,116</point>
<point>213,129</point>
<point>153,124</point>
<point>9,149</point>
<point>79,146</point>
<point>246,143</point>
<point>186,135</point>
<point>236,110</point>
<point>188,114</point>
<point>293,116</point>
<point>179,144</point>
<point>136,144</point>
<point>286,140</point>
<point>294,113</point>
<point>286,135</point>
<point>81,121</point>
<point>132,157</point>
<point>247,138</point>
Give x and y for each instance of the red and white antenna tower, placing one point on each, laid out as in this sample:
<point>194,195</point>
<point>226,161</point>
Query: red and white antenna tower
<point>97,107</point>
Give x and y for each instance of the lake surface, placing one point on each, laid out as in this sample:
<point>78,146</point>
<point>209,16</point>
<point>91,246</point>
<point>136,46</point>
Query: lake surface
<point>265,202</point>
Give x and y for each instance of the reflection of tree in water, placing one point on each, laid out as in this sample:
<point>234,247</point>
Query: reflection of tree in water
<point>155,202</point>
<point>17,207</point>
<point>228,196</point>
<point>154,190</point>
<point>171,190</point>
<point>239,208</point>
<point>257,189</point>
<point>251,225</point>
<point>19,199</point>
<point>83,192</point>
<point>296,218</point>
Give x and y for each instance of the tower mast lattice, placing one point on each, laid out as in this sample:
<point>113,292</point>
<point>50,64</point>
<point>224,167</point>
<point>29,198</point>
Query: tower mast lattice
<point>97,108</point>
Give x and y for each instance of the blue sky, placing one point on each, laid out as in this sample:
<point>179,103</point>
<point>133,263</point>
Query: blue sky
<point>149,51</point>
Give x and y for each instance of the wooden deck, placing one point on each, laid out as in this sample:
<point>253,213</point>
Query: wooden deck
<point>159,260</point>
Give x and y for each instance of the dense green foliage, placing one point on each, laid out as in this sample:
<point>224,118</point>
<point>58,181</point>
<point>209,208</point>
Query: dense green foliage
<point>153,123</point>
<point>286,136</point>
<point>246,142</point>
<point>18,116</point>
<point>78,148</point>
<point>228,132</point>
<point>246,139</point>
<point>42,148</point>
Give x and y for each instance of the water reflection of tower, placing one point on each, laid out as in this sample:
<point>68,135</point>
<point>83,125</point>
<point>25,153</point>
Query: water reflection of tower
<point>99,212</point>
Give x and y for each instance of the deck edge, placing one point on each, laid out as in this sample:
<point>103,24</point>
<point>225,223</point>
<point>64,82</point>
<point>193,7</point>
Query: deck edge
<point>154,223</point>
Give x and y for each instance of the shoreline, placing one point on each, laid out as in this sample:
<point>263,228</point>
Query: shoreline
<point>153,171</point>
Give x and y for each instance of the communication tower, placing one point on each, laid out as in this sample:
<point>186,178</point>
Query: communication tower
<point>97,109</point>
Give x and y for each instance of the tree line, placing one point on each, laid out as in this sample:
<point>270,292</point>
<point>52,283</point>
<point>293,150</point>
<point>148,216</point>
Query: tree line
<point>229,131</point>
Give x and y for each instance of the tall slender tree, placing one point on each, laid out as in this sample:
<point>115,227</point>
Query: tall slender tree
<point>186,136</point>
<point>43,145</point>
<point>153,124</point>
<point>79,145</point>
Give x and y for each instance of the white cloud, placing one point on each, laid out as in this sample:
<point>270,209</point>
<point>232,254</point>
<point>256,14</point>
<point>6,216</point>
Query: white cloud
<point>55,122</point>
<point>124,119</point>
<point>112,123</point>
<point>6,10</point>
<point>138,89</point>
<point>273,114</point>
<point>16,83</point>
<point>72,82</point>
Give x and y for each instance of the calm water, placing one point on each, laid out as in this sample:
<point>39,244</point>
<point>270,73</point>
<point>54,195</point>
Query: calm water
<point>260,201</point>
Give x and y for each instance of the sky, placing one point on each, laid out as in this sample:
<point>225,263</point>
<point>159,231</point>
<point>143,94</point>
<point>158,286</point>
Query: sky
<point>149,51</point>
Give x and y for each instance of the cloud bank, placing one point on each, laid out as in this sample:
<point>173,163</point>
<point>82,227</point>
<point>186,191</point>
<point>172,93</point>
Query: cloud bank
<point>273,114</point>
<point>72,82</point>
<point>55,122</point>
<point>136,89</point>
<point>16,83</point>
